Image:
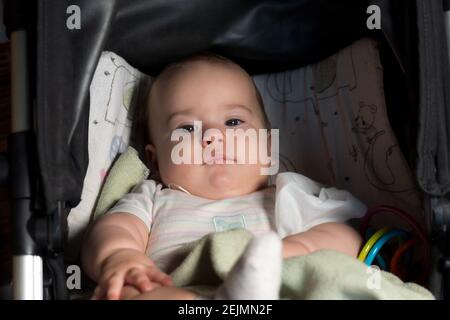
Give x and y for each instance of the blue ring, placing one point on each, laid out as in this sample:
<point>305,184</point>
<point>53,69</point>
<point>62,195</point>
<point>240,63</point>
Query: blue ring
<point>381,242</point>
<point>380,261</point>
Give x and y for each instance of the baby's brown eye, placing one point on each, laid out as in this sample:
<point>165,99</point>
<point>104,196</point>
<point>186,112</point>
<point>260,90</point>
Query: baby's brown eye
<point>233,122</point>
<point>188,127</point>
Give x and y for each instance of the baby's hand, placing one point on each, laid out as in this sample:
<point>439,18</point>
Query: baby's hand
<point>128,267</point>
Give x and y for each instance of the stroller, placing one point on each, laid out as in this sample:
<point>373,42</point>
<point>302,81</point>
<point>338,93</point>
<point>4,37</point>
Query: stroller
<point>54,56</point>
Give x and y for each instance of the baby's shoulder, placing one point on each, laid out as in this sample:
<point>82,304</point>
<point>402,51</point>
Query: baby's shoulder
<point>147,186</point>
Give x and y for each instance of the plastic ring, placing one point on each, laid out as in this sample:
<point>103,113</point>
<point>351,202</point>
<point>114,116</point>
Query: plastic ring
<point>381,242</point>
<point>370,243</point>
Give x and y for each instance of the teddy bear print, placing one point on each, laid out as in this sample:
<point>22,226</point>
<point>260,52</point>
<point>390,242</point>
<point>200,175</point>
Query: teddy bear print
<point>365,120</point>
<point>382,159</point>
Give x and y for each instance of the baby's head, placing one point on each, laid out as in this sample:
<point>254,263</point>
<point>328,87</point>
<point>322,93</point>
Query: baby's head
<point>220,94</point>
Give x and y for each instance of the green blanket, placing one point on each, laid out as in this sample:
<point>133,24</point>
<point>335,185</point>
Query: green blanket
<point>321,275</point>
<point>324,274</point>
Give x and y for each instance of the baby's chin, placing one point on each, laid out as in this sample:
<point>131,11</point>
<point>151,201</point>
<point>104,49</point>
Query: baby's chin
<point>222,182</point>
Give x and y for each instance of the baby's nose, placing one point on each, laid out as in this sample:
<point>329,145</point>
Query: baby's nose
<point>205,142</point>
<point>209,138</point>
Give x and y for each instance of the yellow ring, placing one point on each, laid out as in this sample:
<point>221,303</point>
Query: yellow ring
<point>370,243</point>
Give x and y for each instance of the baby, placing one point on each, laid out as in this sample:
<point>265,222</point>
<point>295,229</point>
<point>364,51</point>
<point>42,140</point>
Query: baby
<point>131,250</point>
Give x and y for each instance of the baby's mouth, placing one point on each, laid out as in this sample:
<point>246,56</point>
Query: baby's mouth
<point>217,159</point>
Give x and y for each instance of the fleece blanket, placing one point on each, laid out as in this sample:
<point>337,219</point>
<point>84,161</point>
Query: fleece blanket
<point>205,263</point>
<point>324,274</point>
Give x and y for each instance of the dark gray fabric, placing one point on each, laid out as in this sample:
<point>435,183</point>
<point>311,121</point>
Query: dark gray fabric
<point>262,36</point>
<point>433,167</point>
<point>66,60</point>
<point>399,57</point>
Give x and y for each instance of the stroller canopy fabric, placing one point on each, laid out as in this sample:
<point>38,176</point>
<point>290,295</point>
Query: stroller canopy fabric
<point>264,36</point>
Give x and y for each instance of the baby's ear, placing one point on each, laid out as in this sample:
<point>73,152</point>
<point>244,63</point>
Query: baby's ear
<point>150,149</point>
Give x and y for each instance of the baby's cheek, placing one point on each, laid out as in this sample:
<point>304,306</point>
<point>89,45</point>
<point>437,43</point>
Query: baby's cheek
<point>166,165</point>
<point>244,145</point>
<point>250,179</point>
<point>181,174</point>
<point>186,151</point>
<point>245,151</point>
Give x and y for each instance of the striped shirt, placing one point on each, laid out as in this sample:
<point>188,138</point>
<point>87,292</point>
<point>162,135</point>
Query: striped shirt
<point>175,218</point>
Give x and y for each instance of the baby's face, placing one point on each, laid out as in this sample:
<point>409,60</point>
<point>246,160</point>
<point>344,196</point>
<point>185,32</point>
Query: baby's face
<point>221,97</point>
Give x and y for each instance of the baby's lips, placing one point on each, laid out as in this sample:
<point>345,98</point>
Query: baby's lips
<point>217,159</point>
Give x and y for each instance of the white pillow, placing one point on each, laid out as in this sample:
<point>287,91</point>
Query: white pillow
<point>114,93</point>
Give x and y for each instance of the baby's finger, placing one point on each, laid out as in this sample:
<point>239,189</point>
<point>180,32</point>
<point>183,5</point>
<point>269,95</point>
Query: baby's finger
<point>114,286</point>
<point>158,276</point>
<point>97,293</point>
<point>139,279</point>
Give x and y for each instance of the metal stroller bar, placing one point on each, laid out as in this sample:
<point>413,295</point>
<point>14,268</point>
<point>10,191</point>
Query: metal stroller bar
<point>27,264</point>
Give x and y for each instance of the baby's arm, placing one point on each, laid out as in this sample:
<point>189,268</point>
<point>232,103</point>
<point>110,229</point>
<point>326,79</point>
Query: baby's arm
<point>333,236</point>
<point>113,255</point>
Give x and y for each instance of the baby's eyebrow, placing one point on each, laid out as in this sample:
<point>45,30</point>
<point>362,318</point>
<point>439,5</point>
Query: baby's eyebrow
<point>239,106</point>
<point>188,111</point>
<point>179,113</point>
